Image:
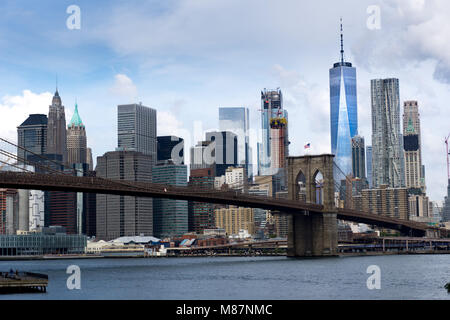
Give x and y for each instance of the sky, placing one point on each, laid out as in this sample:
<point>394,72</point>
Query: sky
<point>186,58</point>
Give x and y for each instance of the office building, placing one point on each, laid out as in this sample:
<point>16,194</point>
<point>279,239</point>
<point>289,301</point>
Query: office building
<point>197,152</point>
<point>76,140</point>
<point>446,207</point>
<point>369,165</point>
<point>51,240</point>
<point>418,207</point>
<point>86,203</point>
<point>119,216</point>
<point>234,219</point>
<point>16,215</point>
<point>201,214</point>
<point>414,171</point>
<point>358,157</point>
<point>170,216</point>
<point>136,126</point>
<point>272,113</point>
<point>391,202</point>
<point>89,159</point>
<point>56,128</point>
<point>236,178</point>
<point>343,111</point>
<point>236,120</point>
<point>61,209</point>
<point>8,211</point>
<point>32,135</point>
<point>36,209</point>
<point>170,148</point>
<point>222,151</point>
<point>387,141</point>
<point>278,144</point>
<point>59,206</point>
<point>259,215</point>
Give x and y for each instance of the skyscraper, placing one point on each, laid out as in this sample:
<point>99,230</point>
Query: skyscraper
<point>236,120</point>
<point>171,148</point>
<point>272,113</point>
<point>201,214</point>
<point>223,150</point>
<point>358,157</point>
<point>343,111</point>
<point>137,129</point>
<point>56,128</point>
<point>414,172</point>
<point>170,216</point>
<point>387,141</point>
<point>369,165</point>
<point>119,216</point>
<point>76,140</point>
<point>446,208</point>
<point>32,135</point>
<point>197,152</point>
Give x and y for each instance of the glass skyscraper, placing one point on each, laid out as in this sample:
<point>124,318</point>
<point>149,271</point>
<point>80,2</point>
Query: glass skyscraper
<point>170,217</point>
<point>236,120</point>
<point>343,111</point>
<point>32,135</point>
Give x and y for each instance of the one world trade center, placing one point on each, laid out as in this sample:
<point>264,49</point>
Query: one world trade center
<point>343,111</point>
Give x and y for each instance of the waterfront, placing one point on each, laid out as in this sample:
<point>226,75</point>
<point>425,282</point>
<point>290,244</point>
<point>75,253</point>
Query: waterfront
<point>402,277</point>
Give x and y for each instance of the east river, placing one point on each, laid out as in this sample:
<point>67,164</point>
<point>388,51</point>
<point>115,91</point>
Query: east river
<point>242,278</point>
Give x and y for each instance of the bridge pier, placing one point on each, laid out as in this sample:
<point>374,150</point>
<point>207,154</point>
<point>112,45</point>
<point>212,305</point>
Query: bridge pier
<point>312,235</point>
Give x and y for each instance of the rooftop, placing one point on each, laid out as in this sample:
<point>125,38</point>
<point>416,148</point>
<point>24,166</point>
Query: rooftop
<point>35,119</point>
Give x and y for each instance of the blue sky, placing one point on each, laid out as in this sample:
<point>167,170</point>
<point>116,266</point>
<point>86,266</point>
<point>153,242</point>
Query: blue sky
<point>187,58</point>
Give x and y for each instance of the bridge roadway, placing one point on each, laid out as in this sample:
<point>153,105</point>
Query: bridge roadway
<point>60,182</point>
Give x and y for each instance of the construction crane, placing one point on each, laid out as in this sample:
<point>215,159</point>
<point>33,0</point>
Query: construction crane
<point>448,164</point>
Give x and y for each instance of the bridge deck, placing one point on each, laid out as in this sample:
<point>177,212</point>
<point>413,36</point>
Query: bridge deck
<point>58,182</point>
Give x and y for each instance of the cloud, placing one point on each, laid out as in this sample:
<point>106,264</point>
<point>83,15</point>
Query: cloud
<point>124,87</point>
<point>16,109</point>
<point>168,124</point>
<point>412,32</point>
<point>308,107</point>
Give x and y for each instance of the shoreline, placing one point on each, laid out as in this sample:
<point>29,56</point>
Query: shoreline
<point>78,257</point>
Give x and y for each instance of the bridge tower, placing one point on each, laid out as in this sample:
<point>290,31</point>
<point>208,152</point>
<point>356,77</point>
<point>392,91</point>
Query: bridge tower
<point>310,179</point>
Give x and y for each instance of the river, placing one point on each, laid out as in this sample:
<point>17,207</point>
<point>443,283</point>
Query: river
<point>243,278</point>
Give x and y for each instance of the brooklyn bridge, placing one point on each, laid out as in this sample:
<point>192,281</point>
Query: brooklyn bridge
<point>312,223</point>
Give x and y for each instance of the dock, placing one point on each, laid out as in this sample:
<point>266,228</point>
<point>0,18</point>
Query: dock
<point>22,282</point>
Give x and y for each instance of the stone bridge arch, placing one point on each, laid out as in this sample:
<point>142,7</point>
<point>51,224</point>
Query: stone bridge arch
<point>312,233</point>
<point>310,166</point>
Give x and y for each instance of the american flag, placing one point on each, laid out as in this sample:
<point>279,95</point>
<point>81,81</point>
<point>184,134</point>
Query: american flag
<point>307,145</point>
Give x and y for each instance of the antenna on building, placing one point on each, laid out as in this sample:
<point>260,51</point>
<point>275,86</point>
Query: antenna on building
<point>342,43</point>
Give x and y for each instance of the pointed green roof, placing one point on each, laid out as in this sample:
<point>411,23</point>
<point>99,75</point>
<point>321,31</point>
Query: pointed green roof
<point>76,120</point>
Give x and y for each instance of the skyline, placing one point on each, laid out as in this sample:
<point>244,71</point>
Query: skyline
<point>192,83</point>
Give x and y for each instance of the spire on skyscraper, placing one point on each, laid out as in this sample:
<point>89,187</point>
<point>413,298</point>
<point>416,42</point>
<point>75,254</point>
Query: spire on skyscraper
<point>76,119</point>
<point>342,43</point>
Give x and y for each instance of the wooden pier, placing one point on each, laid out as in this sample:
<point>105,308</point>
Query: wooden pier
<point>22,282</point>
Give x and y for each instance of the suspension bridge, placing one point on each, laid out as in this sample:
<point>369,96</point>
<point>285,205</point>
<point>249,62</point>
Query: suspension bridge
<point>311,207</point>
